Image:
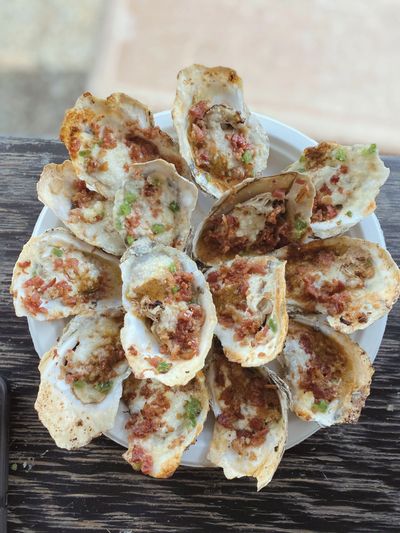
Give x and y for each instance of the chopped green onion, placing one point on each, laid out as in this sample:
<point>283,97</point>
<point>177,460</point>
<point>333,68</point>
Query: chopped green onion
<point>247,157</point>
<point>57,251</point>
<point>321,406</point>
<point>118,225</point>
<point>129,240</point>
<point>370,150</point>
<point>300,169</point>
<point>349,213</point>
<point>340,154</point>
<point>104,387</point>
<point>14,467</point>
<point>175,289</point>
<point>84,153</point>
<point>174,206</point>
<point>272,325</point>
<point>300,224</point>
<point>302,158</point>
<point>130,198</point>
<point>163,367</point>
<point>157,228</point>
<point>192,410</point>
<point>124,209</point>
<point>172,268</point>
<point>79,383</point>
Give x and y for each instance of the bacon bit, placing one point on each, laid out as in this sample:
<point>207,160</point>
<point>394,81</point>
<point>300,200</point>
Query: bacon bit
<point>133,351</point>
<point>332,293</point>
<point>150,189</point>
<point>344,169</point>
<point>198,110</point>
<point>108,140</point>
<point>71,263</point>
<point>300,181</point>
<point>91,165</point>
<point>140,457</point>
<point>58,263</point>
<point>104,166</point>
<point>74,145</point>
<point>183,280</point>
<point>23,265</point>
<point>246,328</point>
<point>126,167</point>
<point>131,223</point>
<point>335,179</point>
<point>197,134</point>
<point>32,303</point>
<point>141,150</point>
<point>239,143</point>
<point>325,189</point>
<point>184,342</point>
<point>34,282</point>
<point>279,193</point>
<point>154,361</point>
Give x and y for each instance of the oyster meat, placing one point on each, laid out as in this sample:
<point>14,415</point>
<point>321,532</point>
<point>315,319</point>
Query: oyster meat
<point>170,317</point>
<point>57,275</point>
<point>255,218</point>
<point>328,374</point>
<point>249,297</point>
<point>347,180</point>
<point>163,422</point>
<point>155,202</point>
<point>81,381</point>
<point>221,141</point>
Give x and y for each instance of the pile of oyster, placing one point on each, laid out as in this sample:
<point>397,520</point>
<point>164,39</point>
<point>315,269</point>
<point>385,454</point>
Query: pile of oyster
<point>167,318</point>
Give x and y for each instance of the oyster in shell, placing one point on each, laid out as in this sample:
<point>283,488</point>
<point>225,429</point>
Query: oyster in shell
<point>85,212</point>
<point>221,141</point>
<point>249,297</point>
<point>328,374</point>
<point>105,138</point>
<point>155,202</point>
<point>347,180</point>
<point>170,317</point>
<point>250,431</point>
<point>57,275</point>
<point>351,281</point>
<point>81,381</point>
<point>255,218</point>
<point>163,422</point>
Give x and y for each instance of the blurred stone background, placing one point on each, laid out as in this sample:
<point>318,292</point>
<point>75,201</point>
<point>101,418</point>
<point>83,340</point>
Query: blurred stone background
<point>330,69</point>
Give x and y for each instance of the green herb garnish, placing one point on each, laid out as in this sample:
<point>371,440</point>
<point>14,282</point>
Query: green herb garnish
<point>103,387</point>
<point>349,213</point>
<point>129,240</point>
<point>163,367</point>
<point>118,224</point>
<point>300,227</point>
<point>174,206</point>
<point>172,268</point>
<point>84,153</point>
<point>370,150</point>
<point>175,289</point>
<point>321,406</point>
<point>124,209</point>
<point>14,467</point>
<point>130,198</point>
<point>157,228</point>
<point>272,325</point>
<point>247,157</point>
<point>79,383</point>
<point>300,169</point>
<point>57,251</point>
<point>340,154</point>
<point>302,158</point>
<point>192,410</point>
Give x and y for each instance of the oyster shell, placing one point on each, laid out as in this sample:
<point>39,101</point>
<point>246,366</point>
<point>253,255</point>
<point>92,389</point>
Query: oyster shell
<point>255,218</point>
<point>352,281</point>
<point>253,444</point>
<point>81,381</point>
<point>85,212</point>
<point>57,275</point>
<point>221,141</point>
<point>163,422</point>
<point>347,180</point>
<point>105,138</point>
<point>249,297</point>
<point>155,202</point>
<point>170,316</point>
<point>328,374</point>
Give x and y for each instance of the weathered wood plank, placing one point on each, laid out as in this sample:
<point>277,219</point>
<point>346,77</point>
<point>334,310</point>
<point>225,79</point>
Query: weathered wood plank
<point>343,478</point>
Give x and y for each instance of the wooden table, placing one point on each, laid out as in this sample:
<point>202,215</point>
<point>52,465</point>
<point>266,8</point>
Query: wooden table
<point>340,479</point>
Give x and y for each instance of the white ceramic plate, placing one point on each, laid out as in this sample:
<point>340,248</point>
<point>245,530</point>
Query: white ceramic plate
<point>286,145</point>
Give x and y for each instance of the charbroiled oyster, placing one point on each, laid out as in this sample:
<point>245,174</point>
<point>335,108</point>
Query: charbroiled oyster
<point>105,138</point>
<point>352,281</point>
<point>328,374</point>
<point>163,422</point>
<point>57,275</point>
<point>221,141</point>
<point>255,218</point>
<point>347,180</point>
<point>249,297</point>
<point>170,316</point>
<point>155,202</point>
<point>81,381</point>
<point>85,212</point>
<point>250,431</point>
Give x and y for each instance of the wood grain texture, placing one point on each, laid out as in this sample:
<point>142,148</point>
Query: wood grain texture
<point>340,479</point>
